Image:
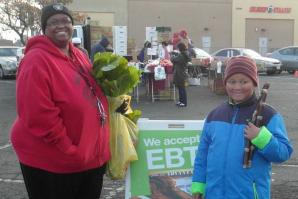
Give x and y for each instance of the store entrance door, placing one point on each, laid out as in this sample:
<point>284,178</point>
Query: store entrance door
<point>263,45</point>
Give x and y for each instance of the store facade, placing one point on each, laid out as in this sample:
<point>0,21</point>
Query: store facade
<point>211,24</point>
<point>264,25</point>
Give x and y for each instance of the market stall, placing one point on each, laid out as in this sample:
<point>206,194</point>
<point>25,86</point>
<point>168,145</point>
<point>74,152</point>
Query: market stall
<point>158,75</point>
<point>194,74</point>
<point>215,78</point>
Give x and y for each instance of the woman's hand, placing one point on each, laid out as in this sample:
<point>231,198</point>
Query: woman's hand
<point>251,131</point>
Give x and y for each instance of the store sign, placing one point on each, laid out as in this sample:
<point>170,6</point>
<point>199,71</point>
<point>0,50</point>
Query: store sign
<point>270,9</point>
<point>166,153</point>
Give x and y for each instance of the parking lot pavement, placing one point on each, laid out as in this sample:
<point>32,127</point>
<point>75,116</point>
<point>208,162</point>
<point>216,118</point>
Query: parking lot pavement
<point>283,95</point>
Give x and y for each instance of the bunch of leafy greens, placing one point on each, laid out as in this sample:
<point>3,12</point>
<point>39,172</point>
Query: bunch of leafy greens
<point>114,75</point>
<point>116,79</point>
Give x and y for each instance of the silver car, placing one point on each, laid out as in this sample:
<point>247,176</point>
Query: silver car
<point>264,64</point>
<point>8,61</point>
<point>288,57</point>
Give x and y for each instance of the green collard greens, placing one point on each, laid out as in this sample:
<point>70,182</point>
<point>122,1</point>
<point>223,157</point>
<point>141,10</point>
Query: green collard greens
<point>114,75</point>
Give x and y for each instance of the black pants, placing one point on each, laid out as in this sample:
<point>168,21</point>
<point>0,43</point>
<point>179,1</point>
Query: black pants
<point>41,184</point>
<point>182,95</point>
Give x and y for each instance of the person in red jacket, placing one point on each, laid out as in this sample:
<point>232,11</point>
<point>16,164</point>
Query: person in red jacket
<point>61,133</point>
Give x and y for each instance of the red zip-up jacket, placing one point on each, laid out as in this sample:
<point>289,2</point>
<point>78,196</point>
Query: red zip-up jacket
<point>58,128</point>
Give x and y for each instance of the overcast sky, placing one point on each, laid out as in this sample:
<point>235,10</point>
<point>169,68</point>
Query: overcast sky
<point>10,35</point>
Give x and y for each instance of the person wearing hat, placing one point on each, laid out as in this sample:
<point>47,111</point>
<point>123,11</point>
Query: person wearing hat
<point>61,133</point>
<point>218,166</point>
<point>76,41</point>
<point>104,45</point>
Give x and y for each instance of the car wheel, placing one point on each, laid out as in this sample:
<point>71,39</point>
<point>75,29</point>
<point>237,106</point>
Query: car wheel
<point>1,73</point>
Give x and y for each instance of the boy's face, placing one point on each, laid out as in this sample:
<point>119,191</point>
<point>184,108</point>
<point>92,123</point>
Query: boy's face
<point>239,87</point>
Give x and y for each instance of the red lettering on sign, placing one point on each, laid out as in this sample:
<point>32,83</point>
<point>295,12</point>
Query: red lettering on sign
<point>282,10</point>
<point>265,9</point>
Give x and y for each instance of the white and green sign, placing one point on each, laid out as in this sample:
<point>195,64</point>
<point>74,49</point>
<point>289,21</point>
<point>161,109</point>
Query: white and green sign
<point>166,152</point>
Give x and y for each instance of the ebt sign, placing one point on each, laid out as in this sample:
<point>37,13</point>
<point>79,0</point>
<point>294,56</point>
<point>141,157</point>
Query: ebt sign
<point>166,153</point>
<point>171,153</point>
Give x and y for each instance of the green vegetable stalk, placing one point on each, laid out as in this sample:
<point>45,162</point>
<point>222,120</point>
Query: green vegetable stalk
<point>117,79</point>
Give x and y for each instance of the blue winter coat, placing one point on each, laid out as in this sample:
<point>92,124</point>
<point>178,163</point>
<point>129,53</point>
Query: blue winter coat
<point>219,162</point>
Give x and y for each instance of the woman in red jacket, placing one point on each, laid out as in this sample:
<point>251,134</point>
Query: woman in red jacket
<point>61,133</point>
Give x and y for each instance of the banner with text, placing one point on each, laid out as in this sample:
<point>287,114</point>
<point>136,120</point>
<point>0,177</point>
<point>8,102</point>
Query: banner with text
<point>166,152</point>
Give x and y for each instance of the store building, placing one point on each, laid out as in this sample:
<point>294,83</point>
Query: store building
<point>211,24</point>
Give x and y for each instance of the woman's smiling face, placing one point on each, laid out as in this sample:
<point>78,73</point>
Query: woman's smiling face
<point>239,87</point>
<point>59,29</point>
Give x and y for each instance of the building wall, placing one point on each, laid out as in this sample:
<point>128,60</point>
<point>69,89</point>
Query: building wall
<point>272,30</point>
<point>279,28</point>
<point>5,42</point>
<point>105,12</point>
<point>228,23</point>
<point>200,18</point>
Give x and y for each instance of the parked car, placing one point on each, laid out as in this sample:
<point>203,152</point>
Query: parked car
<point>202,58</point>
<point>8,61</point>
<point>20,53</point>
<point>264,64</point>
<point>288,57</point>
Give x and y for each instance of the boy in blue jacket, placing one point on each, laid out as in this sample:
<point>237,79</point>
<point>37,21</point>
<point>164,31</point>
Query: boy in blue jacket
<point>218,168</point>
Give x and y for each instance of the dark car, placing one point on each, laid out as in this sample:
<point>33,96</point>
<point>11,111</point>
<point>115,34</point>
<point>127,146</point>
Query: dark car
<point>288,57</point>
<point>264,64</point>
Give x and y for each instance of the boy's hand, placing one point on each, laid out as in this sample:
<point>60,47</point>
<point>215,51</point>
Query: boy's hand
<point>198,196</point>
<point>251,131</point>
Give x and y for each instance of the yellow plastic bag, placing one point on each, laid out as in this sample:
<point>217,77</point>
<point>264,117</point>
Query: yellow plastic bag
<point>122,139</point>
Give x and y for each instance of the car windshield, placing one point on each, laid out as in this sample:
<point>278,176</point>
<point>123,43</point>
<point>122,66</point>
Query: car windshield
<point>8,52</point>
<point>251,53</point>
<point>201,52</point>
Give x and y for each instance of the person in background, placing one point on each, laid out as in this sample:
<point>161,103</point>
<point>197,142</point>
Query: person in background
<point>180,73</point>
<point>61,133</point>
<point>76,41</point>
<point>164,52</point>
<point>185,39</point>
<point>143,55</point>
<point>218,167</point>
<point>175,40</point>
<point>188,42</point>
<point>102,46</point>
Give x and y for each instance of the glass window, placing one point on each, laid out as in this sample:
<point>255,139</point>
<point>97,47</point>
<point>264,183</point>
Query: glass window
<point>75,33</point>
<point>296,51</point>
<point>287,51</point>
<point>222,53</point>
<point>8,52</point>
<point>234,53</point>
